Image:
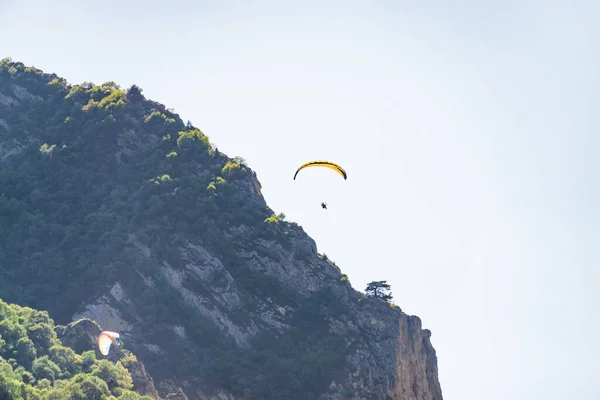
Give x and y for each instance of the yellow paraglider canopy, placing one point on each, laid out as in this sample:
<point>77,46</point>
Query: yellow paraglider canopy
<point>323,163</point>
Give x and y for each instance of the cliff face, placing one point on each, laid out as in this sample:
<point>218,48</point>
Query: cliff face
<point>386,354</point>
<point>178,251</point>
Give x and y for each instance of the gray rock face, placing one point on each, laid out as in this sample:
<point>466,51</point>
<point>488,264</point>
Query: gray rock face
<point>142,381</point>
<point>80,335</point>
<point>392,357</point>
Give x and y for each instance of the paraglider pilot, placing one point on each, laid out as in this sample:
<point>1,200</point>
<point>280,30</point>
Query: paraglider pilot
<point>324,205</point>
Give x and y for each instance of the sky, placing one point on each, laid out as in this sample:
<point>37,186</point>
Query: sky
<point>466,130</point>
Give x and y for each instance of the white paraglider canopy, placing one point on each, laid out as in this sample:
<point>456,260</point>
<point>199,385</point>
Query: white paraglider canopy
<point>107,338</point>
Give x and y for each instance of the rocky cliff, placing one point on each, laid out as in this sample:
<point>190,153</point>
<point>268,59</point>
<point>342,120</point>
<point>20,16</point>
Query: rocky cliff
<point>122,214</point>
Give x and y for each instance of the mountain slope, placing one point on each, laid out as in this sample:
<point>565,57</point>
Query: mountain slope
<point>112,208</point>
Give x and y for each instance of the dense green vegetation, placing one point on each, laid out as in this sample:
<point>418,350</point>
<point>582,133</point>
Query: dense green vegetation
<point>87,167</point>
<point>34,365</point>
<point>104,163</point>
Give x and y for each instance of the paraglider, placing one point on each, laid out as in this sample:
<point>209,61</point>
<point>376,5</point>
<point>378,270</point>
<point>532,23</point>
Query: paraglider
<point>325,164</point>
<point>107,338</point>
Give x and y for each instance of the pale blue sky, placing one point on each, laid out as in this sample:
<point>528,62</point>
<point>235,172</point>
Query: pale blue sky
<point>468,131</point>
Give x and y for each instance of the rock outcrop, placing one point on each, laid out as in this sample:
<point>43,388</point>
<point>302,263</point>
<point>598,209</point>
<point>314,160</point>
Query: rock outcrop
<point>142,381</point>
<point>80,335</point>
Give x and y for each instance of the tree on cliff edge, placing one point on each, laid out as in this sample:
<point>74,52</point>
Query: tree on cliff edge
<point>135,94</point>
<point>379,289</point>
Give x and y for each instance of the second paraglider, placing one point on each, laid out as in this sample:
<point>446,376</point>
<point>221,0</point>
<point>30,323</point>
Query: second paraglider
<point>107,338</point>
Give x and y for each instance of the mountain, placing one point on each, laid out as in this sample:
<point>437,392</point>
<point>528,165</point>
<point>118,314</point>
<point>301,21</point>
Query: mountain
<point>113,209</point>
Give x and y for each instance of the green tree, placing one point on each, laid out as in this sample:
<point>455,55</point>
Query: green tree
<point>87,387</point>
<point>88,358</point>
<point>8,388</point>
<point>25,351</point>
<point>67,360</point>
<point>115,375</point>
<point>43,367</point>
<point>135,93</point>
<point>44,384</point>
<point>42,335</point>
<point>379,289</point>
